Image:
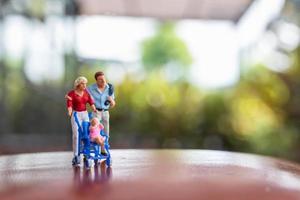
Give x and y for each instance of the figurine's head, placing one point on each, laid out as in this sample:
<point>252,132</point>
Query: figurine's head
<point>80,83</point>
<point>100,78</point>
<point>94,121</point>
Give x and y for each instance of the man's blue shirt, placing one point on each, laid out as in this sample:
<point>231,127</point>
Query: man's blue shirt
<point>98,96</point>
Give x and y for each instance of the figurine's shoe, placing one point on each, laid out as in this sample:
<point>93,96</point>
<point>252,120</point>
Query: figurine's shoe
<point>76,161</point>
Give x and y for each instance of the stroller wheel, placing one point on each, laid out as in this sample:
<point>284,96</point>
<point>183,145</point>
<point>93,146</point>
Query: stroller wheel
<point>108,161</point>
<point>76,161</point>
<point>86,163</point>
<point>96,162</point>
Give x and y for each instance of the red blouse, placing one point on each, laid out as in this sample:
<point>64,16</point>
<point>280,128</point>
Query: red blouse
<point>78,103</point>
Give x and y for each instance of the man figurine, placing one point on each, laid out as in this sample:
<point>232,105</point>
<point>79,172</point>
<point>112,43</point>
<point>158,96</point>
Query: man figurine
<point>104,98</point>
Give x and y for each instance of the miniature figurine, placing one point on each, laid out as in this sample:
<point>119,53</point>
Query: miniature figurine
<point>95,129</point>
<point>103,94</point>
<point>79,97</point>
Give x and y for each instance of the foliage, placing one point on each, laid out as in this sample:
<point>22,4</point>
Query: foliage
<point>165,47</point>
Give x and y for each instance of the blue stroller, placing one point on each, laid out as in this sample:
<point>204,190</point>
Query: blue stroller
<point>90,150</point>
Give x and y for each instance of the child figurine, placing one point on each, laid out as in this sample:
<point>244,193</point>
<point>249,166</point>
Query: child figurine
<point>95,136</point>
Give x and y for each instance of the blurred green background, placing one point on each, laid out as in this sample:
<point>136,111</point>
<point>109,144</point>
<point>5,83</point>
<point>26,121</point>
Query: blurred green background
<point>158,106</point>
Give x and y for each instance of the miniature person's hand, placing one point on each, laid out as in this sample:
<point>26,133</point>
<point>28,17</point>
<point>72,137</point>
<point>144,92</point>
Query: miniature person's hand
<point>67,97</point>
<point>70,110</point>
<point>109,98</point>
<point>111,101</point>
<point>94,108</point>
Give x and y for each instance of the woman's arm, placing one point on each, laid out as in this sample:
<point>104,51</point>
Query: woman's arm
<point>91,102</point>
<point>93,108</point>
<point>70,110</point>
<point>69,103</point>
<point>68,97</point>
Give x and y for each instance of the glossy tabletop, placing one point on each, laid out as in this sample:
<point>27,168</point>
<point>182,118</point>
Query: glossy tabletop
<point>150,174</point>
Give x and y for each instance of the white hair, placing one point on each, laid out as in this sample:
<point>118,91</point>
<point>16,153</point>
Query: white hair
<point>79,80</point>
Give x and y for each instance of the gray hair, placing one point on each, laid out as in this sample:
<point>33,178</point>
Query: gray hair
<point>79,80</point>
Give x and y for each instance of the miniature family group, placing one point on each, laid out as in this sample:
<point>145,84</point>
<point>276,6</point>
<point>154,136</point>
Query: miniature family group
<point>100,96</point>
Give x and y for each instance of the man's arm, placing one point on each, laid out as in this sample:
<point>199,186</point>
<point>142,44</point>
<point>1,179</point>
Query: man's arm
<point>112,101</point>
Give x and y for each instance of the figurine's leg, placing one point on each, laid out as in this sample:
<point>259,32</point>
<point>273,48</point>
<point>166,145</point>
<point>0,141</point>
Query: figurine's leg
<point>82,116</point>
<point>74,136</point>
<point>105,121</point>
<point>98,115</point>
<point>100,142</point>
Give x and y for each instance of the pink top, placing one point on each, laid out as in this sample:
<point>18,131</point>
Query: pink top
<point>95,130</point>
